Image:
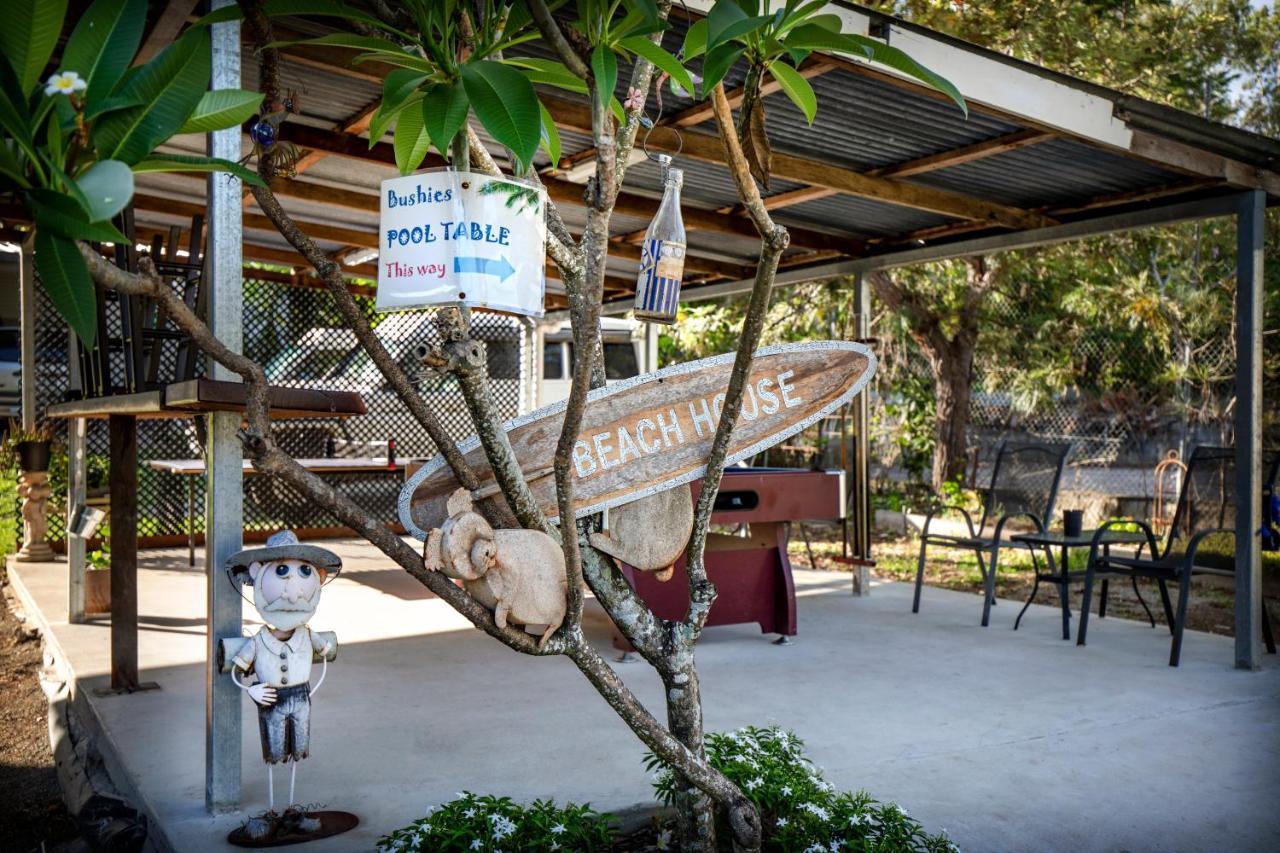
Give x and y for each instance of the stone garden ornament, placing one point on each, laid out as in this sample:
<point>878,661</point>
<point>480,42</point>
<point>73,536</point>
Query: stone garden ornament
<point>518,574</point>
<point>274,667</point>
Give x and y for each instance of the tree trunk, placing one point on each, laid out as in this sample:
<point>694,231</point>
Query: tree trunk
<point>695,811</point>
<point>952,380</point>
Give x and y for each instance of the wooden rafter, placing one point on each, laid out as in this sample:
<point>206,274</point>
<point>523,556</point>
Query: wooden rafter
<point>168,24</point>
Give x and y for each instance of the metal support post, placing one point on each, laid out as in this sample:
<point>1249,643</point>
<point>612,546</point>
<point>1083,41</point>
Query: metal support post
<point>859,473</point>
<point>224,510</point>
<point>1250,219</point>
<point>76,496</point>
<point>27,331</point>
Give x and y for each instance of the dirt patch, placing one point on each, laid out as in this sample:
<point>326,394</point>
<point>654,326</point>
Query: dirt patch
<point>1211,607</point>
<point>32,816</point>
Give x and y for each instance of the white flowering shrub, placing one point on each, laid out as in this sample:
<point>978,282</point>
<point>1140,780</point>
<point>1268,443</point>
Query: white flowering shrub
<point>496,824</point>
<point>800,810</point>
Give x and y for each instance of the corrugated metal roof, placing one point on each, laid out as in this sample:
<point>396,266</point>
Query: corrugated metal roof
<point>863,123</point>
<point>1048,174</point>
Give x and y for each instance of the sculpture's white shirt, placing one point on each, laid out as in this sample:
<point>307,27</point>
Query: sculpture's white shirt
<point>281,663</point>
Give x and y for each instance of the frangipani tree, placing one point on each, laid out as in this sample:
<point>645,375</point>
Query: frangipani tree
<point>74,138</point>
<point>457,63</point>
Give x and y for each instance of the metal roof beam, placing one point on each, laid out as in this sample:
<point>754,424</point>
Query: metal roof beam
<point>1161,215</point>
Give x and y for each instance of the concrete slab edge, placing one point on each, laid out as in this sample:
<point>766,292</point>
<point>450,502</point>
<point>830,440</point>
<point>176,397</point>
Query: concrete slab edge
<point>85,712</point>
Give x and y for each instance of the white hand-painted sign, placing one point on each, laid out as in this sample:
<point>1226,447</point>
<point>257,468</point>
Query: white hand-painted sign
<point>461,238</point>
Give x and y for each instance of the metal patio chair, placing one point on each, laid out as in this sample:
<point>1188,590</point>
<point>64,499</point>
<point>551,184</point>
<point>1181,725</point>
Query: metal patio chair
<point>1024,485</point>
<point>1201,541</point>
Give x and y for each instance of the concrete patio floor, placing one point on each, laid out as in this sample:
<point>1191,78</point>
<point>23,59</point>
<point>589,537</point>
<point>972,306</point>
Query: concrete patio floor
<point>1009,741</point>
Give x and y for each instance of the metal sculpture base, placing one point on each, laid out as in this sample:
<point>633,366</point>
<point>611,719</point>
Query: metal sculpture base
<point>294,826</point>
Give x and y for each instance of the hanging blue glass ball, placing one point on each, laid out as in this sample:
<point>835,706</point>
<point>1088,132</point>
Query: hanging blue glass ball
<point>263,133</point>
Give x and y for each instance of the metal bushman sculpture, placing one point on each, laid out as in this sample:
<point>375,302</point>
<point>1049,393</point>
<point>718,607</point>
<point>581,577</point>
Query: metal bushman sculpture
<point>287,578</point>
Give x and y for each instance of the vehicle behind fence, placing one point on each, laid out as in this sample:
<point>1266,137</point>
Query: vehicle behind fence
<point>296,334</point>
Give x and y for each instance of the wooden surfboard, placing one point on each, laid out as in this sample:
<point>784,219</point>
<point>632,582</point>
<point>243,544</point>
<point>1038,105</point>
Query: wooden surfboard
<point>652,432</point>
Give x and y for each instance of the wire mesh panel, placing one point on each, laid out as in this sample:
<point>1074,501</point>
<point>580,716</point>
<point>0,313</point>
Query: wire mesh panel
<point>297,335</point>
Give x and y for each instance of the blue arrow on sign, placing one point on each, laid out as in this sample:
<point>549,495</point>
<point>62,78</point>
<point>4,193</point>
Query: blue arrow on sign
<point>498,267</point>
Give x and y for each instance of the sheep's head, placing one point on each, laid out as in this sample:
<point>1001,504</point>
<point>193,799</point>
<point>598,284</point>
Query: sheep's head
<point>484,553</point>
<point>459,536</point>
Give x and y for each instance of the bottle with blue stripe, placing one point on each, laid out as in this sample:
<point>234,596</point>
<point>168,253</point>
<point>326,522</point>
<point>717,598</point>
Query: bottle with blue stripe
<point>662,255</point>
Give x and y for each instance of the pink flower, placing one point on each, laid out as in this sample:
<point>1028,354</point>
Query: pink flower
<point>635,99</point>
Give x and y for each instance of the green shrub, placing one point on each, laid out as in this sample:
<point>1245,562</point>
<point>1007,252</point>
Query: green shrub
<point>10,514</point>
<point>492,824</point>
<point>799,809</point>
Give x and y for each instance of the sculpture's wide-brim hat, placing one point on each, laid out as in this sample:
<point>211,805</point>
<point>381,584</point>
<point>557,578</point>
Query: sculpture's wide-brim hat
<point>284,546</point>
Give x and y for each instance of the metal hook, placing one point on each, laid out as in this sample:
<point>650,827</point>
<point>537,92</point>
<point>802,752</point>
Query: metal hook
<point>644,145</point>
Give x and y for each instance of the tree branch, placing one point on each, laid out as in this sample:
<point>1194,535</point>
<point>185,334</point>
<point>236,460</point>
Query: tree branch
<point>268,458</point>
<point>774,241</point>
<point>555,37</point>
<point>330,272</point>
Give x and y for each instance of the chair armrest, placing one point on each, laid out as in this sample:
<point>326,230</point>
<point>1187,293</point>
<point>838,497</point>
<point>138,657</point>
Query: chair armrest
<point>928,519</point>
<point>1101,531</point>
<point>1040,528</point>
<point>1189,558</point>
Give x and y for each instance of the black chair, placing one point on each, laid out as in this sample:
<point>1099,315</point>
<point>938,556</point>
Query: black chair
<point>1024,484</point>
<point>1201,541</point>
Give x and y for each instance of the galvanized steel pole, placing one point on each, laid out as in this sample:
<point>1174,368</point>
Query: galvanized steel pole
<point>1250,217</point>
<point>224,510</point>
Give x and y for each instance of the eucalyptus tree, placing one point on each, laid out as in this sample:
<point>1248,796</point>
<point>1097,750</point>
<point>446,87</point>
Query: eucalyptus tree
<point>454,60</point>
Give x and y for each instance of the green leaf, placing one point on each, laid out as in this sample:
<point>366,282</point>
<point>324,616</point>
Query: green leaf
<point>222,108</point>
<point>28,37</point>
<point>383,117</point>
<point>814,37</point>
<point>507,106</point>
<point>65,278</point>
<point>411,141</point>
<point>60,214</point>
<point>548,72</point>
<point>723,15</point>
<point>641,46</point>
<point>170,86</point>
<point>349,40</point>
<point>220,16</point>
<point>604,67</point>
<point>695,40</point>
<point>717,64</point>
<point>402,60</point>
<point>444,109</point>
<point>797,88</point>
<point>107,186</point>
<point>103,44</point>
<point>550,135</point>
<point>193,163</point>
<point>325,9</point>
<point>727,22</point>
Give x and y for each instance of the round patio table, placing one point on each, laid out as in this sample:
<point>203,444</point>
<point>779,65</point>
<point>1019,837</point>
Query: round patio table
<point>1064,577</point>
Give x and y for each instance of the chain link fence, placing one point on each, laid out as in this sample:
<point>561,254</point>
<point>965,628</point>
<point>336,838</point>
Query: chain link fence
<point>296,334</point>
<point>1156,398</point>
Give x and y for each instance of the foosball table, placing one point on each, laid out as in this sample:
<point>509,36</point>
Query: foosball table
<point>750,568</point>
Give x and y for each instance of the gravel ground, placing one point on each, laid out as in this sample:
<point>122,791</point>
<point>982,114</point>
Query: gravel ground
<point>32,815</point>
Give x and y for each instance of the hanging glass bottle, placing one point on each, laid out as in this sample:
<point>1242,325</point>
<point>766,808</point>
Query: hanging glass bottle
<point>662,255</point>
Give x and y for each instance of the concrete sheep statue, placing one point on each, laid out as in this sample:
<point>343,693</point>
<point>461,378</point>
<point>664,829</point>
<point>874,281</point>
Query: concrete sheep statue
<point>518,574</point>
<point>650,533</point>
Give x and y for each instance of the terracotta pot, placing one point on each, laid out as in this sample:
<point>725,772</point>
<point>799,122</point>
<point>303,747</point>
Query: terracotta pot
<point>33,455</point>
<point>97,591</point>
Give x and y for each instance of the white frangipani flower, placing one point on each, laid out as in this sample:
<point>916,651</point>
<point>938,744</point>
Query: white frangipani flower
<point>64,83</point>
<point>558,829</point>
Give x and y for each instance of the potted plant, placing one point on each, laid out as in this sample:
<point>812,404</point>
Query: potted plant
<point>97,577</point>
<point>30,445</point>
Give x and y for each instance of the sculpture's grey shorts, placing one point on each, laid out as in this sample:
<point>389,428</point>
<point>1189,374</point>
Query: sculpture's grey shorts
<point>285,727</point>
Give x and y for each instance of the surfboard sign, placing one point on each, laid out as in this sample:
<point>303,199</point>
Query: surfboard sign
<point>649,433</point>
